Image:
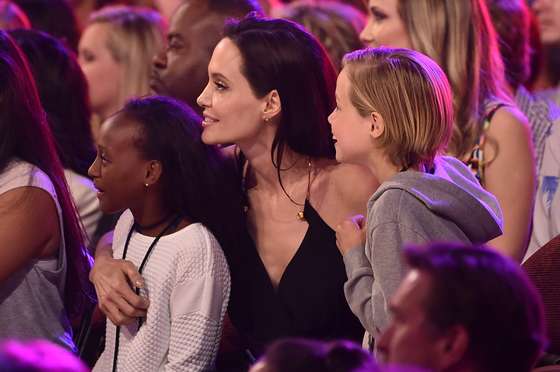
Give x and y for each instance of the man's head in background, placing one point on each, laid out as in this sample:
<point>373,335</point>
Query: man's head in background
<point>180,70</point>
<point>464,308</point>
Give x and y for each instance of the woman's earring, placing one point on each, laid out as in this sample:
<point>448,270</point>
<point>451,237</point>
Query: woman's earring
<point>146,185</point>
<point>266,120</point>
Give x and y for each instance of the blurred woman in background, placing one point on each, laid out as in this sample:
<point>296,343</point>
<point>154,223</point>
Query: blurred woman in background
<point>43,264</point>
<point>63,92</point>
<point>115,53</point>
<point>490,134</point>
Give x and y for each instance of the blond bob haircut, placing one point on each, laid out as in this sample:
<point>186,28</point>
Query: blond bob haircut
<point>460,37</point>
<point>412,95</point>
<point>135,35</point>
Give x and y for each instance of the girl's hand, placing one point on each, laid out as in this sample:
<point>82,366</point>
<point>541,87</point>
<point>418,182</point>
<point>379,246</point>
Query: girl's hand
<point>350,234</point>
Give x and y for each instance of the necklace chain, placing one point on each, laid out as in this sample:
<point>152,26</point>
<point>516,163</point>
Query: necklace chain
<point>169,226</point>
<point>301,212</point>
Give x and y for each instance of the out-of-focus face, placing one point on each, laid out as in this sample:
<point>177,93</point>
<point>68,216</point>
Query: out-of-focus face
<point>118,169</point>
<point>103,73</point>
<point>180,70</point>
<point>410,339</point>
<point>548,16</point>
<point>167,7</point>
<point>232,113</point>
<point>351,131</point>
<point>384,26</point>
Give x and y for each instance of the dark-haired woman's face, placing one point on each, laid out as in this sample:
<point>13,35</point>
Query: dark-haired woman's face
<point>232,113</point>
<point>119,168</point>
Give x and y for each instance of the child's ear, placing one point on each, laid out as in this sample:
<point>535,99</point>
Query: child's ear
<point>153,172</point>
<point>272,105</point>
<point>377,124</point>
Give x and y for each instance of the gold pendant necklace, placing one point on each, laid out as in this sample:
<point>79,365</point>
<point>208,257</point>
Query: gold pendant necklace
<point>300,213</point>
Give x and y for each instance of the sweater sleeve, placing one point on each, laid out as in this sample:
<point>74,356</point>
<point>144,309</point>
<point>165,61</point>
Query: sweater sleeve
<point>372,281</point>
<point>198,303</point>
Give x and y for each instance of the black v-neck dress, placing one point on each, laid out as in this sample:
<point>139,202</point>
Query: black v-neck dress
<point>309,300</point>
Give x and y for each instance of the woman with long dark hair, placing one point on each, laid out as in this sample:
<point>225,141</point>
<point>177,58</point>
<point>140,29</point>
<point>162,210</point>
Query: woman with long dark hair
<point>63,91</point>
<point>271,88</point>
<point>43,263</point>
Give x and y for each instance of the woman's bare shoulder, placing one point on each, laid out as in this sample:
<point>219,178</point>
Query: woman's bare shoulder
<point>349,176</point>
<point>350,184</point>
<point>509,124</point>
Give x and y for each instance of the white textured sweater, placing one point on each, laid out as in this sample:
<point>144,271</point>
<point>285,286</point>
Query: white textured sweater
<point>187,282</point>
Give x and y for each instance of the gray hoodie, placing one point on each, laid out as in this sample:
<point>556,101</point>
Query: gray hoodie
<point>414,208</point>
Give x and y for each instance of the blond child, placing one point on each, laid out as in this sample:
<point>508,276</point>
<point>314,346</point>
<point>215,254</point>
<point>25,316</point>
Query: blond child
<point>394,115</point>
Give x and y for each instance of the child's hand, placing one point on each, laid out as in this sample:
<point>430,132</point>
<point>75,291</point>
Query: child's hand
<point>351,233</point>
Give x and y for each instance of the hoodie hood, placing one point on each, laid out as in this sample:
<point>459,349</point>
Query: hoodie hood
<point>453,193</point>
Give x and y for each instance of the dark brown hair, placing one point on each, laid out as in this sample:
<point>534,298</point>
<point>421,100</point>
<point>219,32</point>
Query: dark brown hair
<point>25,134</point>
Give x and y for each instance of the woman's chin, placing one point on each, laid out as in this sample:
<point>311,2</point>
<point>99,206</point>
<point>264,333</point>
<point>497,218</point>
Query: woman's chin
<point>209,137</point>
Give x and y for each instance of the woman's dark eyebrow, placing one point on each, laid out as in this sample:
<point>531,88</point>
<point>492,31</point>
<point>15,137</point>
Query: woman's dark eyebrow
<point>217,75</point>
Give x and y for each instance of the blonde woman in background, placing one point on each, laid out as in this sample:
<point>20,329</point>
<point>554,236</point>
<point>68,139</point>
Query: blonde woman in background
<point>490,134</point>
<point>115,52</point>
